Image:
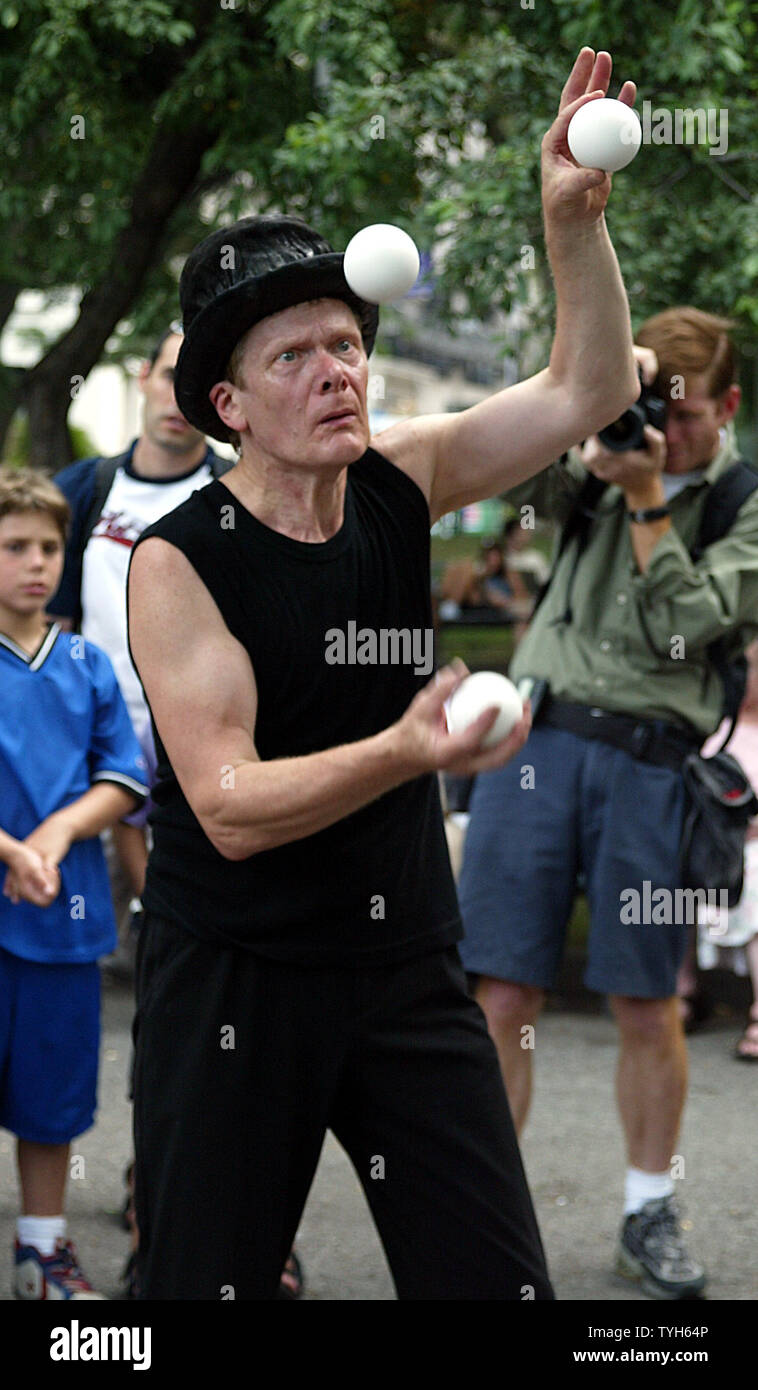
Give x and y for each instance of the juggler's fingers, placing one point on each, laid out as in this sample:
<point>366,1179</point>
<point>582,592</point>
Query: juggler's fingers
<point>442,685</point>
<point>467,742</point>
<point>601,72</point>
<point>578,80</point>
<point>503,751</point>
<point>556,137</point>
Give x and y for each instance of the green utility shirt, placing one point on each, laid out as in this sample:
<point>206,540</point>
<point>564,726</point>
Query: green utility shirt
<point>637,642</point>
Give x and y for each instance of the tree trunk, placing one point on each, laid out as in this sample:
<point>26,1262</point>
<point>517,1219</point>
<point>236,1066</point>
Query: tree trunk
<point>167,178</point>
<point>9,383</point>
<point>47,405</point>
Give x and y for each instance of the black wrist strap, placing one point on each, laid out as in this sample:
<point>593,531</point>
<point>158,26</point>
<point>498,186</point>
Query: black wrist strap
<point>649,514</point>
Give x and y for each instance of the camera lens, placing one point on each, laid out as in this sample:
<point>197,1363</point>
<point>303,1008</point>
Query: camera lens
<point>628,432</point>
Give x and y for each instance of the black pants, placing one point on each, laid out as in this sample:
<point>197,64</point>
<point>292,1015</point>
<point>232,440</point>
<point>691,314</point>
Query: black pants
<point>242,1065</point>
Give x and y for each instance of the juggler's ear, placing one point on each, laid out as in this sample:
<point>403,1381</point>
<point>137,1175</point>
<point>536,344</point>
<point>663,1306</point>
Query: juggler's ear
<point>222,397</point>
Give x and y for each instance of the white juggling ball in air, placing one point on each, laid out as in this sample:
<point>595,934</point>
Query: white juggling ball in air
<point>476,694</point>
<point>604,134</point>
<point>381,263</point>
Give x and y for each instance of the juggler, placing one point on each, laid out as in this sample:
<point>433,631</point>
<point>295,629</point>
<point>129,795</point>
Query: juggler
<point>298,967</point>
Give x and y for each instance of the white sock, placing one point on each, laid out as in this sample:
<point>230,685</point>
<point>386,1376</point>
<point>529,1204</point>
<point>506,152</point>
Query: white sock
<point>41,1231</point>
<point>644,1187</point>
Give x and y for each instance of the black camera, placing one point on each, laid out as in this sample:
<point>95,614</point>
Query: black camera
<point>628,431</point>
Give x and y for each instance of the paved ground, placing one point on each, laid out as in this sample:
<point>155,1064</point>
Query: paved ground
<point>572,1151</point>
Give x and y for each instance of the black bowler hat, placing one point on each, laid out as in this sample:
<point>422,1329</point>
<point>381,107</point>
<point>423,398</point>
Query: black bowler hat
<point>238,276</point>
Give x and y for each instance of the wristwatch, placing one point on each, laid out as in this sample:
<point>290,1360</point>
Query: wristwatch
<point>649,514</point>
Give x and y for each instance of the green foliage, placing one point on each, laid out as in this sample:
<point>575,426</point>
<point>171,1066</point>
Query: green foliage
<point>429,113</point>
<point>15,452</point>
<point>463,126</point>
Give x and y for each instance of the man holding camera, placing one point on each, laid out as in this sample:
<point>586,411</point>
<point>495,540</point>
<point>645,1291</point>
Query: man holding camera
<point>623,687</point>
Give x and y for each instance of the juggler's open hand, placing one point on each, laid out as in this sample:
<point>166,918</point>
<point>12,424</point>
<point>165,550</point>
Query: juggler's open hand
<point>570,192</point>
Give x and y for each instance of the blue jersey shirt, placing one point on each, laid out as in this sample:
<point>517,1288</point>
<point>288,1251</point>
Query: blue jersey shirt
<point>63,727</point>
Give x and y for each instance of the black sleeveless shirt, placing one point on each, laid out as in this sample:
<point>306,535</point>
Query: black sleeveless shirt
<point>340,640</point>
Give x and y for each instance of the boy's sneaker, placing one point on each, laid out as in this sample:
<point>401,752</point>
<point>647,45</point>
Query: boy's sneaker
<point>51,1276</point>
<point>652,1250</point>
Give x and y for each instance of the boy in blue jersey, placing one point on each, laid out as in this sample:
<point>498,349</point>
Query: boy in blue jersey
<point>70,765</point>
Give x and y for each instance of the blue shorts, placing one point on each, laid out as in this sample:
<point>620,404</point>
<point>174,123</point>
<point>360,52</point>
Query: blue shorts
<point>49,1043</point>
<point>586,808</point>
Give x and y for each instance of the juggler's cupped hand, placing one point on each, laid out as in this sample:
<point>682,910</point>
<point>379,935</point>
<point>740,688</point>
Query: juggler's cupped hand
<point>570,192</point>
<point>428,745</point>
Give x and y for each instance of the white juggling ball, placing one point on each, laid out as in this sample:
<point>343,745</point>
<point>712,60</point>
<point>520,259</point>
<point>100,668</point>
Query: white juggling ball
<point>604,134</point>
<point>476,694</point>
<point>381,263</point>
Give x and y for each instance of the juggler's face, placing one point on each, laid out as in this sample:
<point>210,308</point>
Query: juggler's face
<point>300,396</point>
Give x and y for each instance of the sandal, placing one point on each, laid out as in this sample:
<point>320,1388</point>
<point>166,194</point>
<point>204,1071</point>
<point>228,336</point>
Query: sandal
<point>292,1282</point>
<point>750,1036</point>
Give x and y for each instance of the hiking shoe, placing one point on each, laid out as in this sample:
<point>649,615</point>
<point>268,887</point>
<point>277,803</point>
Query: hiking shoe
<point>652,1251</point>
<point>50,1276</point>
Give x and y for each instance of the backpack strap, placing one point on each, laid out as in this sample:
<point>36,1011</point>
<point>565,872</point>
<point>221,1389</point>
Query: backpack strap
<point>724,500</point>
<point>577,524</point>
<point>105,472</point>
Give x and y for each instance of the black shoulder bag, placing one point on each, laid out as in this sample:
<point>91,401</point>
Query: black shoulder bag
<point>720,799</point>
<point>720,803</point>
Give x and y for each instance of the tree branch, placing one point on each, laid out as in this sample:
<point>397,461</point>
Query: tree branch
<point>167,178</point>
<point>9,291</point>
